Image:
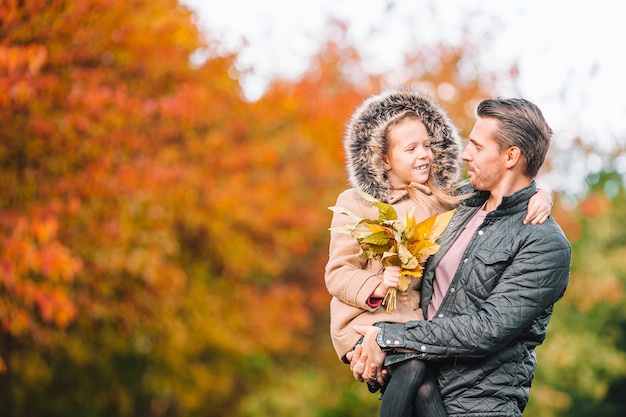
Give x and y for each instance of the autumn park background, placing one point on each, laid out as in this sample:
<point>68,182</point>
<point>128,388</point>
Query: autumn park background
<point>163,239</point>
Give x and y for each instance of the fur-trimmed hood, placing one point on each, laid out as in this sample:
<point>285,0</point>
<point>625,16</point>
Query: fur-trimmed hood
<point>365,140</point>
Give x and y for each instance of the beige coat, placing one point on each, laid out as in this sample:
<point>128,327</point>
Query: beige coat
<point>351,279</point>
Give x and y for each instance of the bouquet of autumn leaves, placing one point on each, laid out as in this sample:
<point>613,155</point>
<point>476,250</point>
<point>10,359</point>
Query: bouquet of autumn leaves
<point>395,242</point>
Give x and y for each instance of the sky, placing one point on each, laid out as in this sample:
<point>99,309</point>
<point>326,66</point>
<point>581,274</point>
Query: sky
<point>570,53</point>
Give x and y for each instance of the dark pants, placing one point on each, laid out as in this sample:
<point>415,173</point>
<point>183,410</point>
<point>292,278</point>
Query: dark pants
<point>411,392</point>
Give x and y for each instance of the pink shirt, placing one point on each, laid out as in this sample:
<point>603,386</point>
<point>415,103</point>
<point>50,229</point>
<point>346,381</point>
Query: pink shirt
<point>445,271</point>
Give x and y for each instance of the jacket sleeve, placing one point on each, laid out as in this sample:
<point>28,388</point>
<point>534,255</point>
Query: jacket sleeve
<point>348,276</point>
<point>523,298</point>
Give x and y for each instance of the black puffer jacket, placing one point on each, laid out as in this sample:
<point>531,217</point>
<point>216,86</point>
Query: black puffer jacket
<point>483,340</point>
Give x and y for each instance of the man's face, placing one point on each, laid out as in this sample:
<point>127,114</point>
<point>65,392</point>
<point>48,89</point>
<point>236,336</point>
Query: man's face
<point>485,162</point>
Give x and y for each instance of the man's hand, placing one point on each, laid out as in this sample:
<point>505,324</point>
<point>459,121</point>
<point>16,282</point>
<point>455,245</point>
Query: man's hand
<point>366,361</point>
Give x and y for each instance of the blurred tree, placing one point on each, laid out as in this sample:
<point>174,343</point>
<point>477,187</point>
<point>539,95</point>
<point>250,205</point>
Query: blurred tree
<point>149,218</point>
<point>450,73</point>
<point>99,159</point>
<point>582,367</point>
<point>83,263</point>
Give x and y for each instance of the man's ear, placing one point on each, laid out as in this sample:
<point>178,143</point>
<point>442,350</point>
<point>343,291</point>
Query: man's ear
<point>513,156</point>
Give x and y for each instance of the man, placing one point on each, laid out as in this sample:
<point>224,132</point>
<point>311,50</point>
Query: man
<point>489,292</point>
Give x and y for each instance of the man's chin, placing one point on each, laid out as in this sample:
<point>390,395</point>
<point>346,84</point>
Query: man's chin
<point>473,181</point>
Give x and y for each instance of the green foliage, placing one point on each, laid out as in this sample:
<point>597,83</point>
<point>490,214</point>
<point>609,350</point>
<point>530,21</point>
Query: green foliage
<point>284,396</point>
<point>582,363</point>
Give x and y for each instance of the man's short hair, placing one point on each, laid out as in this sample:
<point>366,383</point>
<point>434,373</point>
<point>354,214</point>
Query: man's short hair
<point>520,124</point>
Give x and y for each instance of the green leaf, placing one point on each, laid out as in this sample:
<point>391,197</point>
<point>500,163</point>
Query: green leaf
<point>341,210</point>
<point>386,212</point>
<point>379,238</point>
<point>372,251</point>
<point>391,259</point>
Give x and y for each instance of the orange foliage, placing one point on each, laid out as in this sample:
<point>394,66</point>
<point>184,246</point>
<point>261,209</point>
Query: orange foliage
<point>594,205</point>
<point>149,211</point>
<point>567,219</point>
<point>587,291</point>
<point>35,269</point>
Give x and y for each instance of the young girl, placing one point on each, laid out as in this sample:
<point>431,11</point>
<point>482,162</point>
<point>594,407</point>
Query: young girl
<point>402,149</point>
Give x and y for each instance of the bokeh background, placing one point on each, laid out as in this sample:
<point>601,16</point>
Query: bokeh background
<point>165,173</point>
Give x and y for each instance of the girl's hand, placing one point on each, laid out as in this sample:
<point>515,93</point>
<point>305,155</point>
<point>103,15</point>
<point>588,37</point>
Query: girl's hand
<point>391,277</point>
<point>539,207</point>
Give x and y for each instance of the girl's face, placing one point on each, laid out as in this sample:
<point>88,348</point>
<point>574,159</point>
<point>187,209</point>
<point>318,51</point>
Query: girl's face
<point>409,156</point>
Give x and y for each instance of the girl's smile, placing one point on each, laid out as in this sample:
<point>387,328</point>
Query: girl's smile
<point>409,155</point>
